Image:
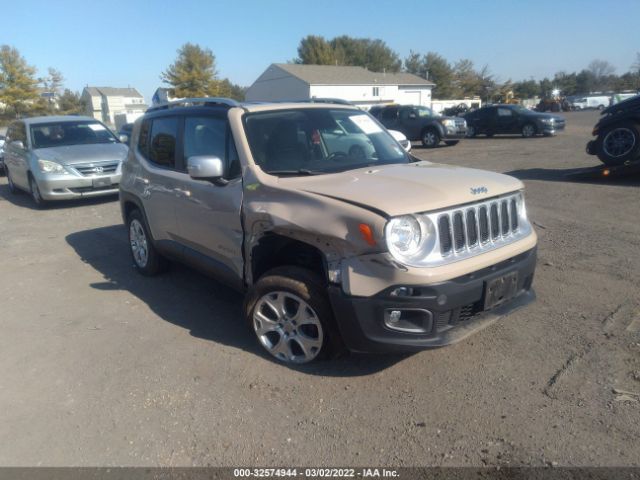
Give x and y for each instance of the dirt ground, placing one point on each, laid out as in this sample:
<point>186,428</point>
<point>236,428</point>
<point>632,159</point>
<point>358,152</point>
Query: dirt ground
<point>100,366</point>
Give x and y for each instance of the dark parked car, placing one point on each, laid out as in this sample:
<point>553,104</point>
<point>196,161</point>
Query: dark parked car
<point>618,133</point>
<point>496,119</point>
<point>421,123</point>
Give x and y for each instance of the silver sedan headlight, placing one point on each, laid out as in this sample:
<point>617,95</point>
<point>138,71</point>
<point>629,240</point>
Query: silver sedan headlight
<point>47,166</point>
<point>409,237</point>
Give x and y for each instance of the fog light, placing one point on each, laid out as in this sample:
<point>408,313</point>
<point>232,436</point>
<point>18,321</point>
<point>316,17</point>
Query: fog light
<point>402,292</point>
<point>394,316</point>
<point>409,320</point>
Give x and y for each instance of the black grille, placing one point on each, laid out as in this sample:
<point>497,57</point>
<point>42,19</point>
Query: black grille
<point>484,225</point>
<point>495,223</point>
<point>458,230</point>
<point>514,215</point>
<point>445,235</point>
<point>472,229</point>
<point>504,216</point>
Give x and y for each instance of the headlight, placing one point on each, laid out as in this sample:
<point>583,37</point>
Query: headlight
<point>409,237</point>
<point>547,120</point>
<point>47,166</point>
<point>448,122</point>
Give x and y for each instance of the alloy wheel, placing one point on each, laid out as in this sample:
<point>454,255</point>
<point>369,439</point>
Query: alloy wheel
<point>287,327</point>
<point>138,240</point>
<point>528,130</point>
<point>430,139</point>
<point>619,142</point>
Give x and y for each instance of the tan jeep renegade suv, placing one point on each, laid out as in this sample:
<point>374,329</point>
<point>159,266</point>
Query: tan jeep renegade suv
<point>338,236</point>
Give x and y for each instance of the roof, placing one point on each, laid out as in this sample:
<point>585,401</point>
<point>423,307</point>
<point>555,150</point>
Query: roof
<point>57,118</point>
<point>344,75</point>
<point>113,92</point>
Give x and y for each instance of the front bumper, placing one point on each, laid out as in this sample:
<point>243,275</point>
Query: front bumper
<point>452,310</point>
<point>66,187</point>
<point>455,133</point>
<point>552,129</point>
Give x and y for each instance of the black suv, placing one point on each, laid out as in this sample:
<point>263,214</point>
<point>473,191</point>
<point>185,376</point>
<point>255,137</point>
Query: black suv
<point>421,123</point>
<point>618,133</point>
<point>512,119</point>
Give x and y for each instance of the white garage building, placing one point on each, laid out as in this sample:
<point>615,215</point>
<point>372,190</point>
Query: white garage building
<point>287,81</point>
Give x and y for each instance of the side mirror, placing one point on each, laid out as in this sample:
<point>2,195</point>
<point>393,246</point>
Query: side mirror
<point>18,144</point>
<point>205,167</point>
<point>124,138</point>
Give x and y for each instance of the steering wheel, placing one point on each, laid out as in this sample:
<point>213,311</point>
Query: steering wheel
<point>336,156</point>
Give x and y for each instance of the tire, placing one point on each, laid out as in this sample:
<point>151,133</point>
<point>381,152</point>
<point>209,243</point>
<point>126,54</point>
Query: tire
<point>528,130</point>
<point>619,143</point>
<point>471,132</point>
<point>273,307</point>
<point>600,107</point>
<point>451,143</point>
<point>430,138</point>
<point>146,259</point>
<point>12,186</point>
<point>36,196</point>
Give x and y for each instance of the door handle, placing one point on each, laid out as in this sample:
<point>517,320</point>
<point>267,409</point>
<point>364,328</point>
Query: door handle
<point>184,193</point>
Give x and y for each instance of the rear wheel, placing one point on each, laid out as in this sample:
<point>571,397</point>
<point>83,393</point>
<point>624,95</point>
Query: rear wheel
<point>146,258</point>
<point>36,196</point>
<point>289,312</point>
<point>619,143</point>
<point>430,138</point>
<point>528,130</point>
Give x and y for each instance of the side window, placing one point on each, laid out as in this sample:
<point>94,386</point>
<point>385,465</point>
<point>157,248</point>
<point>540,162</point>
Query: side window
<point>143,140</point>
<point>210,136</point>
<point>162,144</point>
<point>504,112</point>
<point>204,136</point>
<point>9,138</point>
<point>390,114</point>
<point>19,132</point>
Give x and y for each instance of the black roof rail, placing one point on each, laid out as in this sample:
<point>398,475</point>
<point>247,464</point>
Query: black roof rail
<point>187,102</point>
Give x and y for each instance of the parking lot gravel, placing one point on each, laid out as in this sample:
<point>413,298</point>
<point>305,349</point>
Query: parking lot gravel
<point>102,367</point>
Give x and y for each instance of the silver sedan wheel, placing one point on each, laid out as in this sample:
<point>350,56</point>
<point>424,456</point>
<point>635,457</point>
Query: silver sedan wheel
<point>138,240</point>
<point>288,327</point>
<point>618,142</point>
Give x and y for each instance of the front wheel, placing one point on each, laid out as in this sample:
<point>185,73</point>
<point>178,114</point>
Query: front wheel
<point>471,132</point>
<point>619,143</point>
<point>35,193</point>
<point>289,312</point>
<point>430,138</point>
<point>528,130</point>
<point>12,186</point>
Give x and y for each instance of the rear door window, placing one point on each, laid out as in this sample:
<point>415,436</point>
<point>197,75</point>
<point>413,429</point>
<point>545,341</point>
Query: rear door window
<point>163,141</point>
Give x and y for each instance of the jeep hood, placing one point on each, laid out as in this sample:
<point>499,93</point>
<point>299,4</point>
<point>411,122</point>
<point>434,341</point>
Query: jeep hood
<point>407,188</point>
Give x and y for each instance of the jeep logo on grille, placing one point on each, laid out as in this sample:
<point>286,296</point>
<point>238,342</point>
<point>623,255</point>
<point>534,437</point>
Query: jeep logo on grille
<point>479,190</point>
<point>98,169</point>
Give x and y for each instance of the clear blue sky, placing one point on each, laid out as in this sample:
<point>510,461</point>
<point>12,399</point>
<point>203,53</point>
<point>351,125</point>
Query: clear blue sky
<point>120,43</point>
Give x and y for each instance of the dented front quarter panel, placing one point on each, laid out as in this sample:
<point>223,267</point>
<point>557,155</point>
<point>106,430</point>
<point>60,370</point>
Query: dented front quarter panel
<point>274,205</point>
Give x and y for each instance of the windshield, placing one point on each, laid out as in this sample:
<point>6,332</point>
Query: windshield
<point>44,135</point>
<point>316,141</point>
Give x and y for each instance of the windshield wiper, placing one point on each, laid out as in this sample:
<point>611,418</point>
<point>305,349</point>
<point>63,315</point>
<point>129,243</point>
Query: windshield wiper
<point>301,171</point>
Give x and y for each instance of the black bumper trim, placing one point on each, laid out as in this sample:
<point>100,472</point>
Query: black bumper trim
<point>456,306</point>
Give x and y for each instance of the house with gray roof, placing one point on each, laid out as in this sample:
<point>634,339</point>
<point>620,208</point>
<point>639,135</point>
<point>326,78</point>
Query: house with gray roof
<point>107,103</point>
<point>289,81</point>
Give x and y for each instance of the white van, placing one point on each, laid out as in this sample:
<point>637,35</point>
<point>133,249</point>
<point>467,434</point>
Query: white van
<point>599,102</point>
